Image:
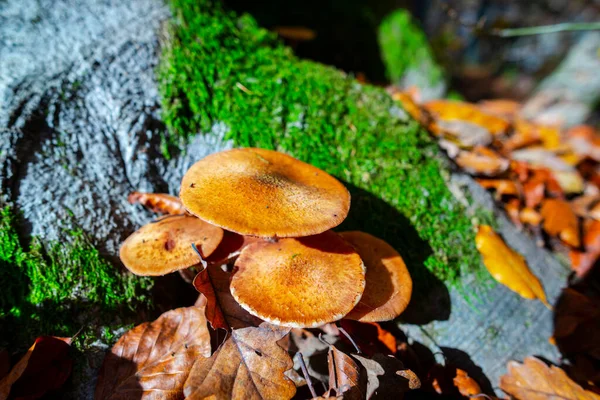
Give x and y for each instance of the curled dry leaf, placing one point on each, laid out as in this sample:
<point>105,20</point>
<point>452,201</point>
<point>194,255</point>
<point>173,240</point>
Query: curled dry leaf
<point>386,377</point>
<point>344,375</point>
<point>303,282</point>
<point>248,365</point>
<point>388,284</point>
<point>45,367</point>
<point>507,266</point>
<point>560,220</point>
<point>465,384</point>
<point>455,110</point>
<point>158,202</point>
<point>165,245</point>
<point>482,161</point>
<point>534,380</point>
<point>153,360</point>
<point>222,311</point>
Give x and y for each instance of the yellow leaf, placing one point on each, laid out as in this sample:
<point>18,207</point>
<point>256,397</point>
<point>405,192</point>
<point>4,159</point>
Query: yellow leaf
<point>507,266</point>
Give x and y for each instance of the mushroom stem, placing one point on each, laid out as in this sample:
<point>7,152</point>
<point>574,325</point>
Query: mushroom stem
<point>306,376</point>
<point>350,339</point>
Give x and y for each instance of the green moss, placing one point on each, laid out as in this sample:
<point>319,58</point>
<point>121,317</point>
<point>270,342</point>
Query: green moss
<point>404,46</point>
<point>59,287</point>
<point>220,67</point>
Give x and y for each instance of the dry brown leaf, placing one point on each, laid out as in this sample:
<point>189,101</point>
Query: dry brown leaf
<point>387,378</point>
<point>502,108</point>
<point>503,187</point>
<point>153,360</point>
<point>482,161</point>
<point>344,375</point>
<point>534,380</point>
<point>45,367</point>
<point>566,176</point>
<point>465,384</point>
<point>248,365</point>
<point>455,110</point>
<point>222,311</point>
<point>561,221</point>
<point>158,202</point>
<point>507,266</point>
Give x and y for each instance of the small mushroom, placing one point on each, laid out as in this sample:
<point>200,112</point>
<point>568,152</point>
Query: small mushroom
<point>299,282</point>
<point>264,193</point>
<point>388,283</point>
<point>167,245</point>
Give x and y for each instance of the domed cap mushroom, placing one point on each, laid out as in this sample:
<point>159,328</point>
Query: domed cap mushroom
<point>264,193</point>
<point>165,245</point>
<point>302,282</point>
<point>389,285</point>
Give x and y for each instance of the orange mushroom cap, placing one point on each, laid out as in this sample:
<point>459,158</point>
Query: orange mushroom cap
<point>389,285</point>
<point>264,193</point>
<point>165,245</point>
<point>302,282</point>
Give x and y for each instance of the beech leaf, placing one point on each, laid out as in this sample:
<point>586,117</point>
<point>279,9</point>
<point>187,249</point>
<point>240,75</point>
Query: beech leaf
<point>45,367</point>
<point>248,365</point>
<point>344,375</point>
<point>534,380</point>
<point>222,311</point>
<point>507,266</point>
<point>158,202</point>
<point>152,361</point>
<point>561,221</point>
<point>465,384</point>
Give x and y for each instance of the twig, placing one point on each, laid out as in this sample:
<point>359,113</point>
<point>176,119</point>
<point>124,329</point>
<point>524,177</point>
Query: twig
<point>202,262</point>
<point>306,376</point>
<point>540,30</point>
<point>350,339</point>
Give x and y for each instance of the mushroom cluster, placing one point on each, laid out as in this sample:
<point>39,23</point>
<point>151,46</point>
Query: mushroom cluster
<point>271,215</point>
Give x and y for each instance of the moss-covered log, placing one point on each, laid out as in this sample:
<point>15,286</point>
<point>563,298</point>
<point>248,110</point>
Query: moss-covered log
<point>221,67</point>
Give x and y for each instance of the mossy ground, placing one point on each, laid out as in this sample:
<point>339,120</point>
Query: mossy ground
<point>221,67</point>
<point>59,288</point>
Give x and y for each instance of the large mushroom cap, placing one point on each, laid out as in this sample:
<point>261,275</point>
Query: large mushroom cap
<point>264,193</point>
<point>389,285</point>
<point>303,282</point>
<point>165,245</point>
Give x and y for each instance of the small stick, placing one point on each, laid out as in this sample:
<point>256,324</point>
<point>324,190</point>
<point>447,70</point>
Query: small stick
<point>539,30</point>
<point>306,376</point>
<point>350,339</point>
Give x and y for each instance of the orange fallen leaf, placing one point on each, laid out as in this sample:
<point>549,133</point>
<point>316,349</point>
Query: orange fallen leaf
<point>530,216</point>
<point>534,191</point>
<point>502,108</point>
<point>582,261</point>
<point>222,311</point>
<point>248,365</point>
<point>503,187</point>
<point>158,202</point>
<point>412,108</point>
<point>534,380</point>
<point>455,110</point>
<point>44,368</point>
<point>585,141</point>
<point>482,161</point>
<point>153,360</point>
<point>465,384</point>
<point>507,266</point>
<point>561,221</point>
<point>512,208</point>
